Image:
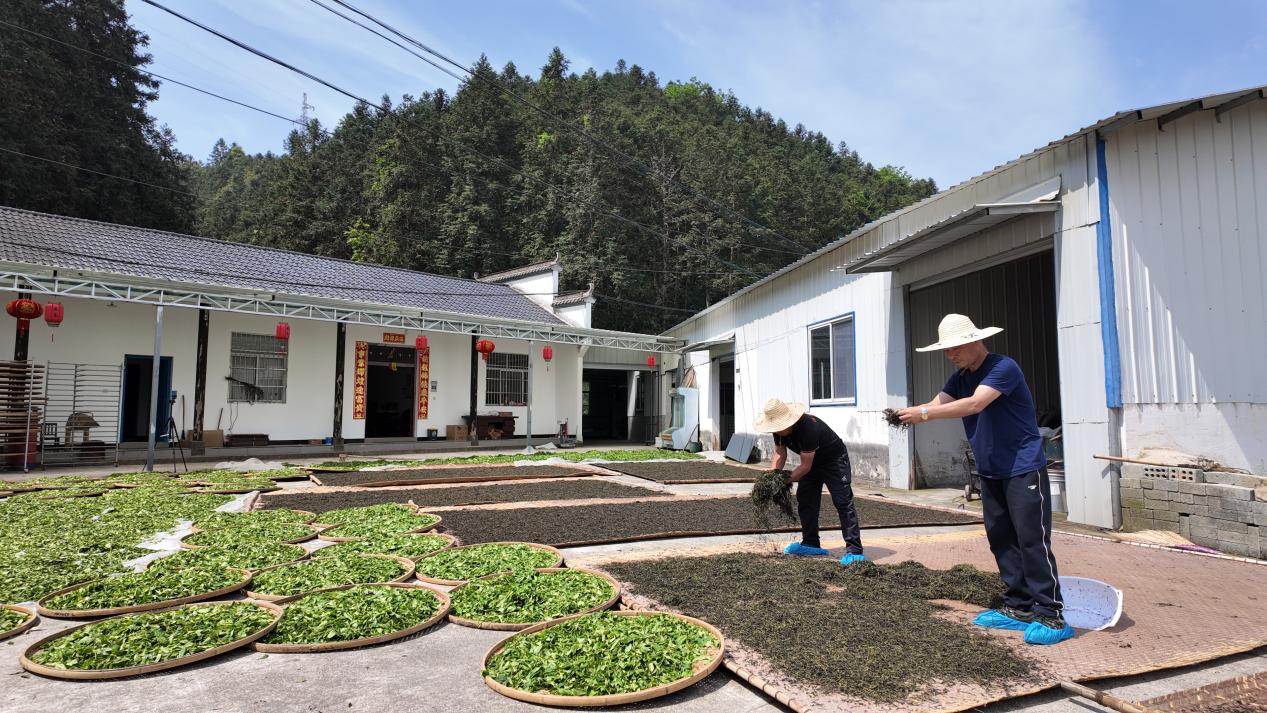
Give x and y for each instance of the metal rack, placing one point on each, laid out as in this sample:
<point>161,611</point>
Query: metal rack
<point>21,402</point>
<point>81,424</point>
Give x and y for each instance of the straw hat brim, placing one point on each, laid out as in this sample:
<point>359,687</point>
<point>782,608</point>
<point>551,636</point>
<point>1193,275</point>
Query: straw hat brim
<point>961,339</point>
<point>770,425</point>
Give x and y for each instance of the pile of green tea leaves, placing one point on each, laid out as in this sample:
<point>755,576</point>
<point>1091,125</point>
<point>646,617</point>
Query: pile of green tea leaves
<point>466,563</point>
<point>867,631</point>
<point>321,572</point>
<point>408,545</point>
<point>258,531</point>
<point>772,488</point>
<point>10,620</point>
<point>126,590</point>
<point>217,520</point>
<point>46,545</point>
<point>374,520</point>
<point>626,455</point>
<point>153,637</point>
<point>530,597</point>
<point>602,654</point>
<point>247,555</point>
<point>358,612</point>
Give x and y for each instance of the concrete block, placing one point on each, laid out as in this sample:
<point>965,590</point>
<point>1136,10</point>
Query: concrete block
<point>1125,482</point>
<point>1199,534</point>
<point>1169,486</point>
<point>1136,522</point>
<point>1202,521</point>
<point>1238,548</point>
<point>1135,504</point>
<point>1191,488</point>
<point>1231,506</point>
<point>1198,509</point>
<point>1159,495</point>
<point>1227,526</point>
<point>1181,497</point>
<point>1239,539</point>
<point>1260,519</point>
<point>1147,483</point>
<point>1166,516</point>
<point>1235,492</point>
<point>1135,492</point>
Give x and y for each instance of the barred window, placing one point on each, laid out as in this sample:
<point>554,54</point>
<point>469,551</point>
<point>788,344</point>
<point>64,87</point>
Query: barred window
<point>506,382</point>
<point>832,362</point>
<point>257,368</point>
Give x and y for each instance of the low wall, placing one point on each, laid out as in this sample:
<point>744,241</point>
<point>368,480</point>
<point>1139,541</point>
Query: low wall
<point>1225,511</point>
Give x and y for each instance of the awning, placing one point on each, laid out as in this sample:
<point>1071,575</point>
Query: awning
<point>1043,198</point>
<point>724,343</point>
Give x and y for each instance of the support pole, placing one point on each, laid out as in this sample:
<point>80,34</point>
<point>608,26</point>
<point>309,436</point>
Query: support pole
<point>475,375</point>
<point>340,346</point>
<point>196,447</point>
<point>528,448</point>
<point>22,337</point>
<point>156,367</point>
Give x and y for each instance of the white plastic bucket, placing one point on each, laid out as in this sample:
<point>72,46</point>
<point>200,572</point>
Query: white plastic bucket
<point>1089,603</point>
<point>1057,488</point>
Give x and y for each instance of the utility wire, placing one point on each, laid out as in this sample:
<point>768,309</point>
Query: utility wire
<point>647,170</point>
<point>99,173</point>
<point>385,111</point>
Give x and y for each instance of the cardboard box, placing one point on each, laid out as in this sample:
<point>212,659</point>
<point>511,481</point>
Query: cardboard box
<point>213,439</point>
<point>456,433</point>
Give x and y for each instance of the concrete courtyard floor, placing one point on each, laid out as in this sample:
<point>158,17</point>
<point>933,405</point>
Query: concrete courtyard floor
<point>439,670</point>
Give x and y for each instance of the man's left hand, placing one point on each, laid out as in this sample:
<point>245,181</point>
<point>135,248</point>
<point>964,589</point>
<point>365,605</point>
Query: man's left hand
<point>909,415</point>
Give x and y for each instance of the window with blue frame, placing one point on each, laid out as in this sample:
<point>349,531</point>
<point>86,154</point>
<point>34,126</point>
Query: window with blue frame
<point>832,362</point>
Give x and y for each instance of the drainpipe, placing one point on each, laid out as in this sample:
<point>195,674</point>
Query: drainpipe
<point>528,448</point>
<point>156,368</point>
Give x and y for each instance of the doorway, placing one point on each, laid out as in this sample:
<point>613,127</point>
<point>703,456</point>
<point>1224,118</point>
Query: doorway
<point>725,401</point>
<point>604,405</point>
<point>138,376</point>
<point>390,391</point>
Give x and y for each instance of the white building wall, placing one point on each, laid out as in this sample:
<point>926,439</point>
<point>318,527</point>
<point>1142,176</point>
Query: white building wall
<point>1190,246</point>
<point>540,287</point>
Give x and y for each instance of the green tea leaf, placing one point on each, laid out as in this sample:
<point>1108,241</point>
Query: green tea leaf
<point>355,613</point>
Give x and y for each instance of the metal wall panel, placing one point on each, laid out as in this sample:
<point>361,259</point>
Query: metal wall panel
<point>1189,210</point>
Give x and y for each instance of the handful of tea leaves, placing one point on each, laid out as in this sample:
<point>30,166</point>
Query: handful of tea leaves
<point>890,416</point>
<point>773,487</point>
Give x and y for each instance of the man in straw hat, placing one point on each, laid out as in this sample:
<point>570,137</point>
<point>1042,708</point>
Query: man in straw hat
<point>824,461</point>
<point>988,391</point>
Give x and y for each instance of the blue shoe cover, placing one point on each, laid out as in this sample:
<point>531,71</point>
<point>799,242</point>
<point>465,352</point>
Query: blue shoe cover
<point>851,558</point>
<point>1045,635</point>
<point>994,619</point>
<point>800,550</point>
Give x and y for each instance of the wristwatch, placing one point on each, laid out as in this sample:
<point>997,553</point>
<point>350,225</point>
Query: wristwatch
<point>923,413</point>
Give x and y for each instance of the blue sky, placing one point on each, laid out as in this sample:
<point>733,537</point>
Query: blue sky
<point>943,89</point>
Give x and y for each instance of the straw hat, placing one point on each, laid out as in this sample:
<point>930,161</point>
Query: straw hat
<point>956,330</point>
<point>778,416</point>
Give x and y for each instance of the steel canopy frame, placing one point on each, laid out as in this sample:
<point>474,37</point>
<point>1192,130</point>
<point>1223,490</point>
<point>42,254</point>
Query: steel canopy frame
<point>119,288</point>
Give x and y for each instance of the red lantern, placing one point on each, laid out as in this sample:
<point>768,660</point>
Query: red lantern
<point>24,310</point>
<point>420,343</point>
<point>485,347</point>
<point>651,361</point>
<point>547,352</point>
<point>54,313</point>
<point>283,331</point>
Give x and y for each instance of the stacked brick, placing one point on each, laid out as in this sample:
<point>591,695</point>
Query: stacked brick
<point>1229,517</point>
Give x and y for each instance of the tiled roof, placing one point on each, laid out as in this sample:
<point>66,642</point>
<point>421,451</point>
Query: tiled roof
<point>577,297</point>
<point>77,244</point>
<point>523,271</point>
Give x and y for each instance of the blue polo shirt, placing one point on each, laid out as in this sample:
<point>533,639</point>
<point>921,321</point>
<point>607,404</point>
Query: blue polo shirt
<point>1004,436</point>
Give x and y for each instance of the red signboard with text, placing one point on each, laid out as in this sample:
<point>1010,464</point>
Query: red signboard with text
<point>359,380</point>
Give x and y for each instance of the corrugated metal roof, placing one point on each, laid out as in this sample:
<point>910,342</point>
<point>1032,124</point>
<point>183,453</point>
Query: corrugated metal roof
<point>1161,112</point>
<point>76,244</point>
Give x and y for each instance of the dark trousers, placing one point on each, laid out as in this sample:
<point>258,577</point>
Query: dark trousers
<point>1018,525</point>
<point>837,475</point>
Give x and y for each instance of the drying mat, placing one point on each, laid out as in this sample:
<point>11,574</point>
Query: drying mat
<point>686,472</point>
<point>446,496</point>
<point>465,474</point>
<point>582,525</point>
<point>1243,694</point>
<point>1202,609</point>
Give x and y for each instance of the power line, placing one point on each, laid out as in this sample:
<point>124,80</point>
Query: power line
<point>385,111</point>
<point>646,304</point>
<point>99,173</point>
<point>646,170</point>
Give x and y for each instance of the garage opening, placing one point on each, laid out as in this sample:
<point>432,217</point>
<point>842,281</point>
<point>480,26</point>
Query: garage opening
<point>1020,297</point>
<point>605,405</point>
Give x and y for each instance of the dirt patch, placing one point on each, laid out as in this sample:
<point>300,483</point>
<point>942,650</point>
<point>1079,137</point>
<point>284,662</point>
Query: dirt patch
<point>866,631</point>
<point>577,525</point>
<point>317,501</point>
<point>687,472</point>
<point>469,474</point>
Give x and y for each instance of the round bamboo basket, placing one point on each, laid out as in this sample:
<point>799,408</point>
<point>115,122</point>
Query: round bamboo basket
<point>702,669</point>
<point>214,490</point>
<point>408,564</point>
<point>99,674</point>
<point>31,620</point>
<point>416,531</point>
<point>314,530</point>
<point>558,561</point>
<point>43,609</point>
<point>300,558</point>
<point>331,525</point>
<point>503,626</point>
<point>452,542</point>
<point>308,516</point>
<point>366,641</point>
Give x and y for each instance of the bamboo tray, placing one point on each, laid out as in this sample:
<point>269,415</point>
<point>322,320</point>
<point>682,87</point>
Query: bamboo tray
<point>416,531</point>
<point>505,626</point>
<point>99,674</point>
<point>408,564</point>
<point>702,669</point>
<point>315,530</point>
<point>453,542</point>
<point>431,621</point>
<point>558,562</point>
<point>31,620</point>
<point>43,609</point>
